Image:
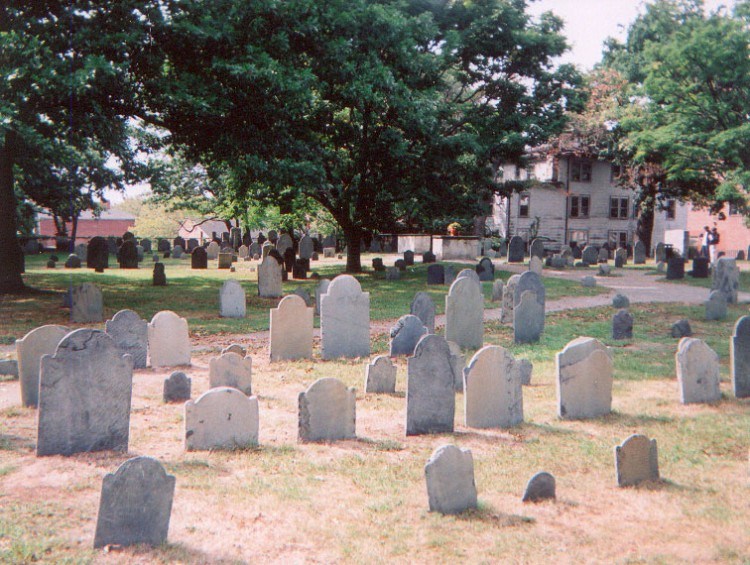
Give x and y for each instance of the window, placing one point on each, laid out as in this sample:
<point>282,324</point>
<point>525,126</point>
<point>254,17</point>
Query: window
<point>671,209</point>
<point>518,172</point>
<point>579,206</point>
<point>618,207</point>
<point>618,239</point>
<point>523,206</point>
<point>580,171</point>
<point>615,172</point>
<point>530,172</point>
<point>580,237</point>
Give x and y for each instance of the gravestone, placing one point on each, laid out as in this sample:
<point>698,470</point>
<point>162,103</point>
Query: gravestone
<point>221,418</point>
<point>739,358</point>
<point>535,265</point>
<point>681,328</point>
<point>588,281</point>
<point>577,252</point>
<point>525,368</point>
<point>243,252</point>
<point>51,264</point>
<point>232,302</point>
<point>428,257</point>
<point>726,278</point>
<point>269,278</point>
<point>639,253</point>
<point>199,258</point>
<point>435,274</point>
<point>701,268</point>
<point>675,268</point>
<point>145,243</point>
<point>234,348</point>
<point>229,369</point>
<point>622,325</point>
<point>225,260</point>
<point>135,504</point>
<point>620,301</point>
<point>130,333</point>
<point>493,395</point>
<point>235,237</point>
<point>73,262</point>
<point>430,397</point>
<point>590,255</point>
<point>449,274</point>
<point>306,247</point>
<point>177,252</point>
<point>128,256</point>
<point>392,274</point>
<point>516,249</point>
<point>660,253</point>
<point>84,396</point>
<point>289,258</point>
<point>168,340</point>
<point>377,265</point>
<point>29,351</point>
<point>497,291</point>
<point>141,253</point>
<point>509,294</point>
<point>284,242</point>
<point>458,363</point>
<point>604,270</point>
<point>529,281</point>
<point>697,371</point>
<point>329,252</point>
<point>540,487</point>
<point>305,296</point>
<point>485,270</point>
<point>424,308</point>
<point>400,264</point>
<point>97,253</point>
<point>584,379</point>
<point>450,480</point>
<point>320,290</point>
<point>254,250</point>
<point>266,249</point>
<point>409,257</point>
<point>537,248</point>
<point>621,257</point>
<point>636,460</point>
<point>464,311</point>
<point>528,318</point>
<point>380,375</point>
<point>716,306</point>
<point>177,387</point>
<point>375,246</point>
<point>603,254</point>
<point>159,277</point>
<point>291,330</point>
<point>86,304</point>
<point>405,334</point>
<point>327,411</point>
<point>155,258</point>
<point>212,251</point>
<point>345,319</point>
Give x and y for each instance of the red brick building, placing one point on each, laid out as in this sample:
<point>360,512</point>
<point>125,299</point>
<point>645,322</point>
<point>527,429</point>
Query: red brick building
<point>108,223</point>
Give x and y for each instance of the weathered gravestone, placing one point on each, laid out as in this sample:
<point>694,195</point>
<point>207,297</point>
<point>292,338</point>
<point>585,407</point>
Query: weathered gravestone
<point>428,257</point>
<point>675,268</point>
<point>409,257</point>
<point>29,351</point>
<point>269,278</point>
<point>701,268</point>
<point>84,396</point>
<point>525,369</point>
<point>320,290</point>
<point>739,358</point>
<point>243,252</point>
<point>660,252</point>
<point>540,487</point>
<point>380,375</point>
<point>377,265</point>
<point>458,363</point>
<point>232,370</point>
<point>177,252</point>
<point>159,277</point>
<point>464,311</point>
<point>168,340</point>
<point>212,251</point>
<point>345,319</point>
<point>73,262</point>
<point>590,255</point>
<point>424,308</point>
<point>221,418</point>
<point>681,328</point>
<point>516,249</point>
<point>697,371</point>
<point>177,387</point>
<point>254,250</point>
<point>621,258</point>
<point>588,281</point>
<point>620,301</point>
<point>604,270</point>
<point>485,269</point>
<point>392,274</point>
<point>232,302</point>
<point>450,480</point>
<point>405,335</point>
<point>537,248</point>
<point>435,274</point>
<point>291,330</point>
<point>636,460</point>
<point>289,258</point>
<point>528,318</point>
<point>86,304</point>
<point>141,253</point>
<point>493,395</point>
<point>639,253</point>
<point>584,379</point>
<point>130,333</point>
<point>509,295</point>
<point>529,281</point>
<point>225,260</point>
<point>430,397</point>
<point>145,243</point>
<point>306,247</point>
<point>622,325</point>
<point>128,255</point>
<point>535,265</point>
<point>400,264</point>
<point>284,242</point>
<point>97,253</point>
<point>497,291</point>
<point>603,254</point>
<point>234,348</point>
<point>135,504</point>
<point>716,306</point>
<point>329,252</point>
<point>80,250</point>
<point>327,411</point>
<point>726,278</point>
<point>449,274</point>
<point>199,258</point>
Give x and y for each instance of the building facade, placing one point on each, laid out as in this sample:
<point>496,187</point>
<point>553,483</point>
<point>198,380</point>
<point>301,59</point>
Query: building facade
<point>107,223</point>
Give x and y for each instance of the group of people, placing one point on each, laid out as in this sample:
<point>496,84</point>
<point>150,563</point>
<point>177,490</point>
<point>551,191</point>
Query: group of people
<point>709,242</point>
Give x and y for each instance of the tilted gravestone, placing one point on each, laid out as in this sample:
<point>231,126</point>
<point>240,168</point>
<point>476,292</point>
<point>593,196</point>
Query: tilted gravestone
<point>232,302</point>
<point>435,274</point>
<point>528,318</point>
<point>327,411</point>
<point>345,319</point>
<point>135,504</point>
<point>636,460</point>
<point>199,258</point>
<point>128,255</point>
<point>639,253</point>
<point>269,278</point>
<point>159,277</point>
<point>380,375</point>
<point>405,334</point>
<point>697,371</point>
<point>726,278</point>
<point>130,333</point>
<point>221,418</point>
<point>584,379</point>
<point>291,330</point>
<point>590,255</point>
<point>232,370</point>
<point>537,248</point>
<point>86,304</point>
<point>493,395</point>
<point>84,396</point>
<point>450,480</point>
<point>516,249</point>
<point>168,340</point>
<point>622,325</point>
<point>177,387</point>
<point>464,314</point>
<point>29,351</point>
<point>540,487</point>
<point>509,296</point>
<point>430,397</point>
<point>739,358</point>
<point>424,308</point>
<point>212,251</point>
<point>716,306</point>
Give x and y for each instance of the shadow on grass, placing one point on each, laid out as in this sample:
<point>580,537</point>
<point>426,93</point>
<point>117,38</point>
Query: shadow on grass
<point>174,553</point>
<point>15,443</point>
<point>634,420</point>
<point>661,485</point>
<point>486,514</point>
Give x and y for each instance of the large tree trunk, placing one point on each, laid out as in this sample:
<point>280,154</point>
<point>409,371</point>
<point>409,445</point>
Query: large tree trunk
<point>353,237</point>
<point>11,257</point>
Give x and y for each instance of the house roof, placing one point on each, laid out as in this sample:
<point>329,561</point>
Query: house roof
<point>111,214</point>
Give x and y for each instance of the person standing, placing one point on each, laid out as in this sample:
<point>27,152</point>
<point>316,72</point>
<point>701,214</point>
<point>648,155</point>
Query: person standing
<point>705,238</point>
<point>712,243</point>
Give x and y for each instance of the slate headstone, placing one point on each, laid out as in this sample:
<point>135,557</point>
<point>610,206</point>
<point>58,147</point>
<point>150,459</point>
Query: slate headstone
<point>435,274</point>
<point>636,460</point>
<point>493,396</point>
<point>86,304</point>
<point>284,242</point>
<point>622,325</point>
<point>327,411</point>
<point>497,291</point>
<point>97,253</point>
<point>177,387</point>
<point>528,318</point>
<point>621,257</point>
<point>128,255</point>
<point>675,268</point>
<point>159,277</point>
<point>405,334</point>
<point>291,330</point>
<point>739,358</point>
<point>516,249</point>
<point>423,308</point>
<point>29,351</point>
<point>449,274</point>
<point>130,333</point>
<point>306,247</point>
<point>409,257</point>
<point>540,487</point>
<point>377,265</point>
<point>430,397</point>
<point>428,257</point>
<point>232,370</point>
<point>716,306</point>
<point>639,253</point>
<point>380,375</point>
<point>464,313</point>
<point>681,328</point>
<point>221,418</point>
<point>485,270</point>
<point>620,301</point>
<point>199,258</point>
<point>537,248</point>
<point>450,480</point>
<point>73,262</point>
<point>590,255</point>
<point>701,267</point>
<point>212,251</point>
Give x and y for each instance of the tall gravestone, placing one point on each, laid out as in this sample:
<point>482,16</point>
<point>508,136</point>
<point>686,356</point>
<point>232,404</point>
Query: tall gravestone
<point>584,379</point>
<point>537,248</point>
<point>291,330</point>
<point>639,253</point>
<point>84,396</point>
<point>130,333</point>
<point>232,370</point>
<point>739,358</point>
<point>97,253</point>
<point>135,504</point>
<point>345,319</point>
<point>29,351</point>
<point>636,460</point>
<point>221,418</point>
<point>590,255</point>
<point>726,278</point>
<point>128,255</point>
<point>509,297</point>
<point>430,398</point>
<point>493,395</point>
<point>199,258</point>
<point>232,302</point>
<point>159,277</point>
<point>449,474</point>
<point>269,278</point>
<point>306,247</point>
<point>327,411</point>
<point>464,314</point>
<point>528,318</point>
<point>168,340</point>
<point>86,304</point>
<point>516,249</point>
<point>697,371</point>
<point>405,334</point>
<point>424,308</point>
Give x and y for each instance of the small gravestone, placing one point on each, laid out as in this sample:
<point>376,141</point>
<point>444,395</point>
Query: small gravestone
<point>716,306</point>
<point>681,328</point>
<point>588,281</point>
<point>493,396</point>
<point>726,278</point>
<point>289,258</point>
<point>291,330</point>
<point>449,274</point>
<point>168,340</point>
<point>159,278</point>
<point>701,268</point>
<point>604,270</point>
<point>199,258</point>
<point>603,256</point>
<point>234,348</point>
<point>232,302</point>
<point>73,262</point>
<point>327,411</point>
<point>177,387</point>
<point>128,255</point>
<point>497,291</point>
<point>661,267</point>
<point>177,252</point>
<point>430,397</point>
<point>29,351</point>
<point>622,325</point>
<point>212,251</point>
<point>392,274</point>
<point>620,301</point>
<point>229,369</point>
<point>435,274</point>
<point>621,257</point>
<point>135,504</point>
<point>377,265</point>
<point>221,418</point>
<point>525,369</point>
<point>428,257</point>
<point>345,319</point>
<point>51,264</point>
<point>675,268</point>
<point>636,460</point>
<point>540,487</point>
<point>516,249</point>
<point>269,278</point>
<point>485,270</point>
<point>590,255</point>
<point>284,242</point>
<point>535,265</point>
<point>329,252</point>
<point>405,334</point>
<point>130,333</point>
<point>409,257</point>
<point>537,248</point>
<point>155,258</point>
<point>739,358</point>
<point>639,253</point>
<point>9,368</point>
<point>464,313</point>
<point>304,295</point>
<point>584,379</point>
<point>697,371</point>
<point>380,375</point>
<point>400,264</point>
<point>84,396</point>
<point>320,290</point>
<point>450,480</point>
<point>225,260</point>
<point>141,252</point>
<point>424,308</point>
<point>509,293</point>
<point>243,252</point>
<point>86,304</point>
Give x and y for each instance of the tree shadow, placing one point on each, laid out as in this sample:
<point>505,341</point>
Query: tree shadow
<point>178,552</point>
<point>487,515</point>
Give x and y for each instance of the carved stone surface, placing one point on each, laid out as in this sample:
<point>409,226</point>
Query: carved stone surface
<point>380,375</point>
<point>345,319</point>
<point>327,411</point>
<point>636,460</point>
<point>29,351</point>
<point>450,480</point>
<point>130,333</point>
<point>493,395</point>
<point>229,369</point>
<point>697,371</point>
<point>221,418</point>
<point>584,379</point>
<point>430,398</point>
<point>168,340</point>
<point>291,330</point>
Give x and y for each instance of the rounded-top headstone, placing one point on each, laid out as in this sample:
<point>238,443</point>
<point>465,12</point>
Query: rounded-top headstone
<point>540,487</point>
